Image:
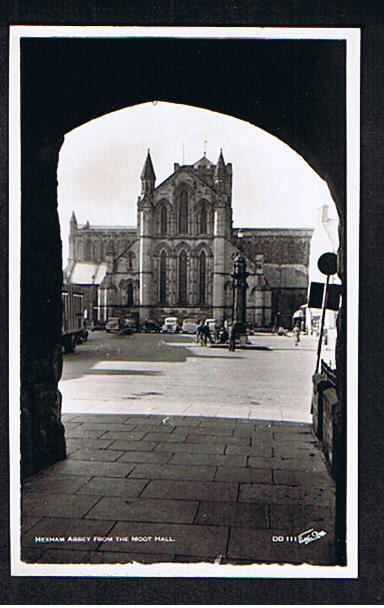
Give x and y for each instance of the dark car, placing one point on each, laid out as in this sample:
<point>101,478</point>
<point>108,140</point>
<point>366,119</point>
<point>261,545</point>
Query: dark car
<point>150,326</point>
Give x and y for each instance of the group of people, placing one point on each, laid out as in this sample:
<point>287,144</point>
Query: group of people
<point>222,335</point>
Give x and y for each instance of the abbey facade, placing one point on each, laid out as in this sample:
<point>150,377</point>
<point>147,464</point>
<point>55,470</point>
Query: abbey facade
<point>179,259</point>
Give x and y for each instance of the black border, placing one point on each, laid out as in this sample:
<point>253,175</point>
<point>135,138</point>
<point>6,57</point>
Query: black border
<point>368,588</point>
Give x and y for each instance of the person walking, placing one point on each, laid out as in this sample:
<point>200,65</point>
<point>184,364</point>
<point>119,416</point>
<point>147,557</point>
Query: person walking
<point>296,334</point>
<point>199,333</point>
<point>207,334</point>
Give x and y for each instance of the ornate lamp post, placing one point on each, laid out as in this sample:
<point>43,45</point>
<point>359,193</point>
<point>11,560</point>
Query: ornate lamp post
<point>239,283</point>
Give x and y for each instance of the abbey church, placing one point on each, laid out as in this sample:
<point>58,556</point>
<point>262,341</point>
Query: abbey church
<point>179,259</point>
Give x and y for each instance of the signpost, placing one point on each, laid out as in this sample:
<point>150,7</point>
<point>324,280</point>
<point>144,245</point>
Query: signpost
<point>327,264</point>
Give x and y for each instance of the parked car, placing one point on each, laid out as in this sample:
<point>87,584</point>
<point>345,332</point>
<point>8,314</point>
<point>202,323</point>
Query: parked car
<point>112,324</point>
<point>170,325</point>
<point>131,324</point>
<point>150,326</point>
<point>189,326</point>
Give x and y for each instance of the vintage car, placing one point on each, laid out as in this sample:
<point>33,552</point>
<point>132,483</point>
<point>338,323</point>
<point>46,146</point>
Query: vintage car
<point>170,326</point>
<point>189,326</point>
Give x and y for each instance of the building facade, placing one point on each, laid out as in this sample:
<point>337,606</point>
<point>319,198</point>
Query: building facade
<point>179,259</point>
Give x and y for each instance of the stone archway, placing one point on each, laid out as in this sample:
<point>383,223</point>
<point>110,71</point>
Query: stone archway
<point>307,113</point>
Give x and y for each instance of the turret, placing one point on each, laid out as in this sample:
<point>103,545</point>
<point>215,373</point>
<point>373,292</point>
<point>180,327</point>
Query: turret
<point>72,236</point>
<point>148,177</point>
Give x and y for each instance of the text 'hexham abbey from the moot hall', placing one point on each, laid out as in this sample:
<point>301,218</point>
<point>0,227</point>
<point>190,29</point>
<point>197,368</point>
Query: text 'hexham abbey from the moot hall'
<point>179,259</point>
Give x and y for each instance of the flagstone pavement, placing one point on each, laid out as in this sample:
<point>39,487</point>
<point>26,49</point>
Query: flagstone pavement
<point>165,488</point>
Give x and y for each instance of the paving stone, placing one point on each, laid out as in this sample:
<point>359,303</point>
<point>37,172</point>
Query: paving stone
<point>28,522</point>
<point>103,418</point>
<point>244,450</point>
<point>274,494</point>
<point>96,455</point>
<point>298,453</point>
<point>199,490</point>
<point>206,430</point>
<point>135,446</point>
<point>113,486</point>
<point>172,471</point>
<point>64,527</point>
<point>55,484</point>
<point>243,474</point>
<point>203,541</point>
<point>70,426</point>
<point>63,556</point>
<point>302,478</point>
<point>56,505</point>
<point>68,417</point>
<point>298,518</point>
<point>124,436</point>
<point>233,514</point>
<point>217,439</point>
<point>107,426</point>
<point>154,428</point>
<point>258,545</point>
<point>89,468</point>
<point>208,459</point>
<point>110,557</point>
<point>120,509</point>
<point>30,555</point>
<point>198,448</point>
<point>83,434</point>
<point>291,464</point>
<point>151,457</point>
<point>175,437</point>
<point>96,444</point>
<point>261,434</point>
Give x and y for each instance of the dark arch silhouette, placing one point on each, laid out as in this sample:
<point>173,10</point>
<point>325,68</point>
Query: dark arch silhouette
<point>293,89</point>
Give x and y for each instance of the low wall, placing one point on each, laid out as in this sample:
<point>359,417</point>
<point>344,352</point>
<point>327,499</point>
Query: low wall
<point>326,420</point>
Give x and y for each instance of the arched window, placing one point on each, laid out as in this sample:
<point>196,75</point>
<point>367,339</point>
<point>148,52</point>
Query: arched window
<point>203,220</point>
<point>163,278</point>
<point>183,278</point>
<point>163,220</point>
<point>202,277</point>
<point>130,261</point>
<point>183,212</point>
<point>130,294</point>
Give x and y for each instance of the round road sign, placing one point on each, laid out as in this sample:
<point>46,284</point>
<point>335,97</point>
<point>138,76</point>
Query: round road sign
<point>327,263</point>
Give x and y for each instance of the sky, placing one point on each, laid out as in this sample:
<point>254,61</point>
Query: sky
<point>100,165</point>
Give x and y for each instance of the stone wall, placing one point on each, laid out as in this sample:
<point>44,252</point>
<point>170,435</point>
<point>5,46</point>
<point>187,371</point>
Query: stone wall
<point>327,421</point>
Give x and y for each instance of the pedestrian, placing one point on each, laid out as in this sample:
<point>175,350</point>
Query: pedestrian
<point>207,334</point>
<point>199,333</point>
<point>296,334</point>
<point>232,336</point>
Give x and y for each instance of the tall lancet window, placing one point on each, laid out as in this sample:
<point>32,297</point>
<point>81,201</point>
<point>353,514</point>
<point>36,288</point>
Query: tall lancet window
<point>183,212</point>
<point>203,220</point>
<point>163,278</point>
<point>202,277</point>
<point>130,294</point>
<point>183,278</point>
<point>163,220</point>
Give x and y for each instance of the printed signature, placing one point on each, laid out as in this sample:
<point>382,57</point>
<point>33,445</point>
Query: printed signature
<point>309,536</point>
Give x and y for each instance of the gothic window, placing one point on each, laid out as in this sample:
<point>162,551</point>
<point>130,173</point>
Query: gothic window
<point>130,261</point>
<point>163,220</point>
<point>88,250</point>
<point>163,278</point>
<point>203,220</point>
<point>183,212</point>
<point>130,294</point>
<point>183,278</point>
<point>202,277</point>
